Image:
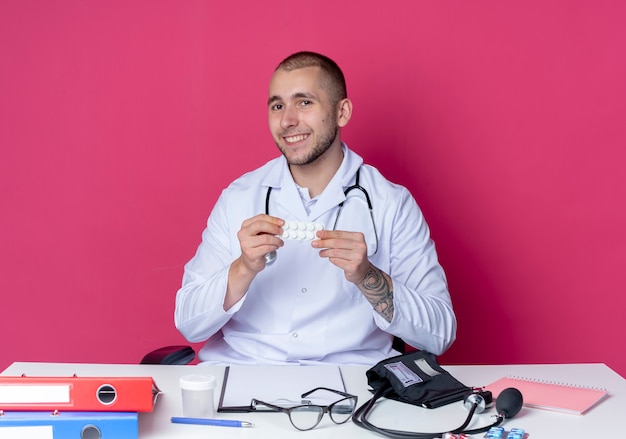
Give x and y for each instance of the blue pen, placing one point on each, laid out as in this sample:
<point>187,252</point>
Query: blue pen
<point>215,422</point>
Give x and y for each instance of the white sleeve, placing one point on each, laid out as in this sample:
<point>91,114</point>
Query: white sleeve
<point>199,311</point>
<point>423,314</point>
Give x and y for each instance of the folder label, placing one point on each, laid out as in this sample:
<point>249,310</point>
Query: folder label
<point>41,432</point>
<point>47,394</point>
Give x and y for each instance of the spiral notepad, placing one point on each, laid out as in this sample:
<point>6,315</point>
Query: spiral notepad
<point>561,397</point>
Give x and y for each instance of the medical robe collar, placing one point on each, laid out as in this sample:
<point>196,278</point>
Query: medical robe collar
<point>288,196</point>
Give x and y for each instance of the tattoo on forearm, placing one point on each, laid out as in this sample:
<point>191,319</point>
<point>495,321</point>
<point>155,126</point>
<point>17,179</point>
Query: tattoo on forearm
<point>377,289</point>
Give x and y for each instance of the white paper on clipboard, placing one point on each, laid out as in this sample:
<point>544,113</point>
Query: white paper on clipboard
<point>280,385</point>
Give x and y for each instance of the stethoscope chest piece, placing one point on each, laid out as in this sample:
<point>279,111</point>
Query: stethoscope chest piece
<point>270,257</point>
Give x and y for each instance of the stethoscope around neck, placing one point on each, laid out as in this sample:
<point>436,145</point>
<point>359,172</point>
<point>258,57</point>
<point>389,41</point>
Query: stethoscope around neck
<point>271,256</point>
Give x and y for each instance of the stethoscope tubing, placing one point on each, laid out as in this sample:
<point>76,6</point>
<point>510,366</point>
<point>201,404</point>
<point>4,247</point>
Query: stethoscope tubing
<point>271,257</point>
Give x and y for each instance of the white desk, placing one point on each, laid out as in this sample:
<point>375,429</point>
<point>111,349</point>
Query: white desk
<point>604,420</point>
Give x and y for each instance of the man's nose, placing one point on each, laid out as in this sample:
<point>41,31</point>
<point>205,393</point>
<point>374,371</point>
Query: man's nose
<point>289,118</point>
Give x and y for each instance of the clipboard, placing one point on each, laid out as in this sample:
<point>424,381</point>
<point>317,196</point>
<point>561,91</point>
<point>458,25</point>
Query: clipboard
<point>279,385</point>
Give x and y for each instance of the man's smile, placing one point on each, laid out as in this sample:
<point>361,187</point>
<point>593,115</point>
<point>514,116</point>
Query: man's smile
<point>296,138</point>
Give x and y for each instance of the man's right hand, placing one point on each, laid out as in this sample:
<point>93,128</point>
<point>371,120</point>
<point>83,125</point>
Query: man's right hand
<point>257,237</point>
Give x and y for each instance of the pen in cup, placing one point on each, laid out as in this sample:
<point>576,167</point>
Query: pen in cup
<point>213,422</point>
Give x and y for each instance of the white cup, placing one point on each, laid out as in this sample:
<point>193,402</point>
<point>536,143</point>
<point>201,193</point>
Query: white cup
<point>197,392</point>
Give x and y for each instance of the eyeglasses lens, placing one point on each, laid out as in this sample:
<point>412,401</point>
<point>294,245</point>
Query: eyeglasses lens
<point>342,410</point>
<point>305,417</point>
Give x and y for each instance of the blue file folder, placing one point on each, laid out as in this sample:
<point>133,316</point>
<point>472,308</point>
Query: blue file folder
<point>63,425</point>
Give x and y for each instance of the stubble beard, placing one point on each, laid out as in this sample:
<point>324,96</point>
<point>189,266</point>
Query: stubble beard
<point>318,150</point>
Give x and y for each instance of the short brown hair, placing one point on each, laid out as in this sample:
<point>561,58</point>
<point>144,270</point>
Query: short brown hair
<point>334,82</point>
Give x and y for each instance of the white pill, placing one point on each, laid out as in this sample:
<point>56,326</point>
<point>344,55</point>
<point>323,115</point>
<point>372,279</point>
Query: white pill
<point>301,230</point>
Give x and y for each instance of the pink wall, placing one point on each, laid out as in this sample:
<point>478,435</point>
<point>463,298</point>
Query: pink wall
<point>121,121</point>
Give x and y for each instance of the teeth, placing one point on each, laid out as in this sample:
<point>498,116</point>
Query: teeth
<point>294,139</point>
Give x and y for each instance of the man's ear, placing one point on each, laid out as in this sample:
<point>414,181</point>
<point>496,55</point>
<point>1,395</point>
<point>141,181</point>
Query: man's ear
<point>344,112</point>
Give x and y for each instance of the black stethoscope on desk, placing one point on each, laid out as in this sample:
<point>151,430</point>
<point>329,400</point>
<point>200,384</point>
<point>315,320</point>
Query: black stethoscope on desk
<point>271,256</point>
<point>508,404</point>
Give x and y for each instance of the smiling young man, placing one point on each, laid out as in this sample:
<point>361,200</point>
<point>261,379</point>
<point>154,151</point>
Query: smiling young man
<point>370,274</point>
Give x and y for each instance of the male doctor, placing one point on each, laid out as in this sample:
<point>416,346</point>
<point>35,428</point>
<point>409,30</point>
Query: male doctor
<point>370,274</point>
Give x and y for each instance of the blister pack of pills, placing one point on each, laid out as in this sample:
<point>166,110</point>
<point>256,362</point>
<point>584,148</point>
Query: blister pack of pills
<point>516,433</point>
<point>495,433</point>
<point>498,433</point>
<point>301,230</point>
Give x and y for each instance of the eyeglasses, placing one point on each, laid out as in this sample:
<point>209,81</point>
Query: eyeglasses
<point>308,416</point>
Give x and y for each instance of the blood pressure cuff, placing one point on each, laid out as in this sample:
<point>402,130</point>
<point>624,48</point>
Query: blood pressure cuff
<point>416,378</point>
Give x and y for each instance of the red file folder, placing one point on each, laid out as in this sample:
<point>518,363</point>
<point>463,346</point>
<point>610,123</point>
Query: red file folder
<point>111,394</point>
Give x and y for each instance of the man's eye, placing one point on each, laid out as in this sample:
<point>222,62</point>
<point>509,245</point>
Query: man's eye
<point>305,103</point>
<point>276,107</point>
